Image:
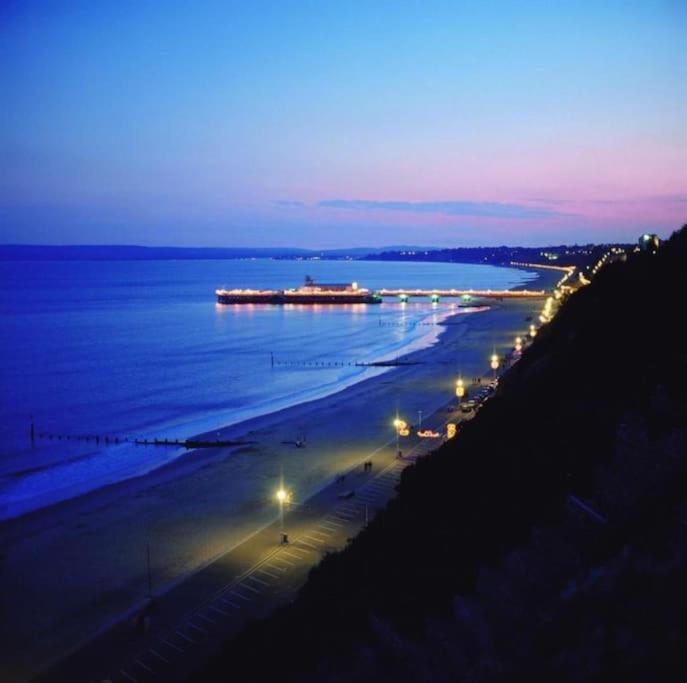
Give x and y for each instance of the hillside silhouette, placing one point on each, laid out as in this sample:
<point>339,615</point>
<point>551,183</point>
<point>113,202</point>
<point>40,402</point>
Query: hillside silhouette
<point>545,542</point>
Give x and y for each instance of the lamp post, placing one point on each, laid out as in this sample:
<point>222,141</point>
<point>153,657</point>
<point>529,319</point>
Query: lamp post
<point>518,344</point>
<point>282,497</point>
<point>401,427</point>
<point>494,363</point>
<point>460,389</point>
<point>533,331</point>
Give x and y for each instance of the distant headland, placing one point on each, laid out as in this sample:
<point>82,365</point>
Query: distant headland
<point>502,255</point>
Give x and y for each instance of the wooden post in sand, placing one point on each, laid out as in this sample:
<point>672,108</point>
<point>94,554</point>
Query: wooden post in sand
<point>150,577</point>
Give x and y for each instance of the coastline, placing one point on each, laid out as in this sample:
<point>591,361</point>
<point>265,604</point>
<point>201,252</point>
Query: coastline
<point>204,502</point>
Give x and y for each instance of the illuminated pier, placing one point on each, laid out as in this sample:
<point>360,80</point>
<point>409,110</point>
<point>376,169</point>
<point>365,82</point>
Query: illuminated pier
<point>310,292</point>
<point>316,293</point>
<point>436,294</point>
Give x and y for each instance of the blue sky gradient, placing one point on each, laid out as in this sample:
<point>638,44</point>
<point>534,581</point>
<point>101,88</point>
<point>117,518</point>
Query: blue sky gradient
<point>339,124</point>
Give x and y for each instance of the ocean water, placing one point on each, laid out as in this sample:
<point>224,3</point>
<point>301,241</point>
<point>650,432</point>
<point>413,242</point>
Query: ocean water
<point>141,350</point>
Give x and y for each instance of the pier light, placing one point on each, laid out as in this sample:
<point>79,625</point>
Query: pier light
<point>518,344</point>
<point>533,331</point>
<point>494,362</point>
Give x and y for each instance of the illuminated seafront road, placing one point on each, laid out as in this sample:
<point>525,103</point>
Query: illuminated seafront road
<point>194,618</point>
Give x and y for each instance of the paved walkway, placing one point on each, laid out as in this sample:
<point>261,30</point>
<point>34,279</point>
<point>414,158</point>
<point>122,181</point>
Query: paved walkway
<point>193,619</point>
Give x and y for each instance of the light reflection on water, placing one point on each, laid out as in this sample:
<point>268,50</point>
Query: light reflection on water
<point>142,349</point>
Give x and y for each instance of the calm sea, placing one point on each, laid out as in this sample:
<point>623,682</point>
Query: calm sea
<point>140,349</point>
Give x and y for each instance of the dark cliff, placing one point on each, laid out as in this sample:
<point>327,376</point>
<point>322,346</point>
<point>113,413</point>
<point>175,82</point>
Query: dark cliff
<point>545,542</point>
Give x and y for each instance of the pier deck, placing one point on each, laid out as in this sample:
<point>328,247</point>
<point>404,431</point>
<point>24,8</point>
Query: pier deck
<point>477,293</point>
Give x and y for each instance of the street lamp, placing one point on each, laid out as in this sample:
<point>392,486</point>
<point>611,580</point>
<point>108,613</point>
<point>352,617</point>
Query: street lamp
<point>533,331</point>
<point>283,498</point>
<point>494,363</point>
<point>518,344</point>
<point>401,427</point>
<point>460,389</point>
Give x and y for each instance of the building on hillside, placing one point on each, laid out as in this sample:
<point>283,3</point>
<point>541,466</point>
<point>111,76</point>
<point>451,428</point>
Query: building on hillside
<point>649,242</point>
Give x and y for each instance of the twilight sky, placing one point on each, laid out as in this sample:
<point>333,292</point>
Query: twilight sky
<point>323,124</point>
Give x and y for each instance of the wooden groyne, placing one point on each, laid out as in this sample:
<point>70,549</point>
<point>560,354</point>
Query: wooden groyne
<point>325,364</point>
<point>109,440</point>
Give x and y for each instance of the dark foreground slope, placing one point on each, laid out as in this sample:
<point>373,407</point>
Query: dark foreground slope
<point>546,542</point>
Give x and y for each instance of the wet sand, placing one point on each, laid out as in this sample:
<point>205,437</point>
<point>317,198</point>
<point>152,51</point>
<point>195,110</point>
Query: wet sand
<point>70,570</point>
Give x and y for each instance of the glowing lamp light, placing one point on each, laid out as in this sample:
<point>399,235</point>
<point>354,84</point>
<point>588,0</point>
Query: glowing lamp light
<point>401,427</point>
<point>518,344</point>
<point>282,495</point>
<point>460,388</point>
<point>494,362</point>
<point>450,430</point>
<point>533,331</point>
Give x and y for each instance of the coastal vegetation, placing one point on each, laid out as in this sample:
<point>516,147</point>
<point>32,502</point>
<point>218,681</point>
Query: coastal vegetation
<point>544,542</point>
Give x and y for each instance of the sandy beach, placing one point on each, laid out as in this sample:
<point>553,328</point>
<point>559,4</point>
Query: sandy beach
<point>70,570</point>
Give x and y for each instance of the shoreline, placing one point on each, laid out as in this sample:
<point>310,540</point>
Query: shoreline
<point>82,559</point>
<point>374,368</point>
<point>209,426</point>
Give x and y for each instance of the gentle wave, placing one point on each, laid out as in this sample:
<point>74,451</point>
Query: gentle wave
<point>51,484</point>
<point>157,365</point>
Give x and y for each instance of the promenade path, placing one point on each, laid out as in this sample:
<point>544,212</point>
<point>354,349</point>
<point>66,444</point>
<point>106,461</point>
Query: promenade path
<point>193,619</point>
